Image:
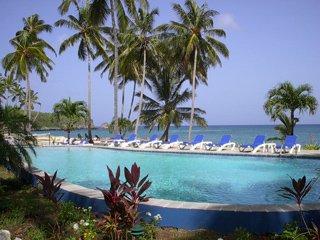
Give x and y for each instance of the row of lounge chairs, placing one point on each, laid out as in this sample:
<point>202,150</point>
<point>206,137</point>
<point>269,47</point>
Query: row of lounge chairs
<point>259,144</point>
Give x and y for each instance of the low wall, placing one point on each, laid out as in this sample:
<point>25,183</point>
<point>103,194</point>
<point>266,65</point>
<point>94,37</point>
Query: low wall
<point>222,218</point>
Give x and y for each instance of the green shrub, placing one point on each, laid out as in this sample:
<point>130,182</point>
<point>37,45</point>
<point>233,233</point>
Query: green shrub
<point>69,213</point>
<point>11,219</point>
<point>242,234</point>
<point>311,147</point>
<point>150,231</point>
<point>36,234</point>
<point>292,231</point>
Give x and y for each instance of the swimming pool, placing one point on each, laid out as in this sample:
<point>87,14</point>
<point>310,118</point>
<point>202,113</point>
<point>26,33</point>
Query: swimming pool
<point>184,177</point>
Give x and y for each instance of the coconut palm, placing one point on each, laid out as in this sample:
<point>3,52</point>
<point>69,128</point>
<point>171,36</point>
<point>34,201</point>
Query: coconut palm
<point>90,39</point>
<point>196,36</point>
<point>10,88</point>
<point>65,5</point>
<point>141,42</point>
<point>166,108</point>
<point>22,99</point>
<point>33,26</point>
<point>284,100</point>
<point>119,10</point>
<point>15,139</point>
<point>29,55</point>
<point>129,71</point>
<point>70,114</point>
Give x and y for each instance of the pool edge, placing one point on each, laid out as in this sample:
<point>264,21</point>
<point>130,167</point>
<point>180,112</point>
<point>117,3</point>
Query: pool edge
<point>223,218</point>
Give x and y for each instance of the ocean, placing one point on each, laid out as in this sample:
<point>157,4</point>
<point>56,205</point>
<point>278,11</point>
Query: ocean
<point>240,133</point>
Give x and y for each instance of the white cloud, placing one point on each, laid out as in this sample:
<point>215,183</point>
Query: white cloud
<point>227,20</point>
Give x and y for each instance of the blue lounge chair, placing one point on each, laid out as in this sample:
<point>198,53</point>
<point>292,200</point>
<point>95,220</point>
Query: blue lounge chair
<point>132,139</point>
<point>197,142</point>
<point>289,145</point>
<point>259,143</point>
<point>225,142</point>
<point>173,141</point>
<point>152,140</point>
<point>115,140</point>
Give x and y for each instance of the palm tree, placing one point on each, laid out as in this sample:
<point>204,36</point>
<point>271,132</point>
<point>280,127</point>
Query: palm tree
<point>196,36</point>
<point>100,10</point>
<point>65,5</point>
<point>70,114</point>
<point>129,71</point>
<point>285,99</point>
<point>141,41</point>
<point>33,26</point>
<point>29,55</point>
<point>90,39</point>
<point>15,139</point>
<point>166,109</point>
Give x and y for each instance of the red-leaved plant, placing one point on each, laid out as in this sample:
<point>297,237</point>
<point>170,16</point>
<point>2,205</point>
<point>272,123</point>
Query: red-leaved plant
<point>300,189</point>
<point>122,200</point>
<point>50,187</point>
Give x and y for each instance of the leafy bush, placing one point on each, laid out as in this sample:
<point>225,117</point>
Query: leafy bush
<point>311,147</point>
<point>122,200</point>
<point>12,218</point>
<point>86,229</point>
<point>69,213</point>
<point>36,234</point>
<point>49,187</point>
<point>124,124</point>
<point>242,234</point>
<point>292,232</point>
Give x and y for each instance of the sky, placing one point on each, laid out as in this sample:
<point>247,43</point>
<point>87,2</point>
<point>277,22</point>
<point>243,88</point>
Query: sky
<point>269,42</point>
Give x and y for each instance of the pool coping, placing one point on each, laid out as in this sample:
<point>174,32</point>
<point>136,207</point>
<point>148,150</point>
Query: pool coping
<point>174,204</point>
<point>310,154</point>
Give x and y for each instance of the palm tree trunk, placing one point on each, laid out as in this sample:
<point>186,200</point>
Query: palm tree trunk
<point>123,96</point>
<point>292,122</point>
<point>68,136</point>
<point>132,99</point>
<point>28,100</point>
<point>193,91</point>
<point>165,135</point>
<point>89,100</point>
<point>142,90</point>
<point>116,66</point>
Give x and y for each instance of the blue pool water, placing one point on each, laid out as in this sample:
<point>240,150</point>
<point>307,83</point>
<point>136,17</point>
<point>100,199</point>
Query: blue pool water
<point>185,177</point>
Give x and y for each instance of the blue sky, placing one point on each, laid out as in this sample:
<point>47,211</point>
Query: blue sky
<point>269,42</point>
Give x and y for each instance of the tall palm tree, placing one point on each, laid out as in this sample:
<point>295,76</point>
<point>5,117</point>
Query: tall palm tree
<point>15,139</point>
<point>141,41</point>
<point>166,108</point>
<point>33,26</point>
<point>100,10</point>
<point>29,55</point>
<point>129,71</point>
<point>70,114</point>
<point>285,99</point>
<point>196,36</point>
<point>90,39</point>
